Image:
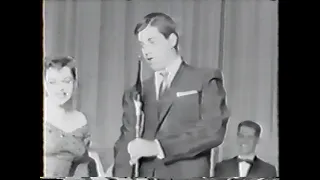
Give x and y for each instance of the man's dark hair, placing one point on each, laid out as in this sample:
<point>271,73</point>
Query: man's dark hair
<point>163,22</point>
<point>252,125</point>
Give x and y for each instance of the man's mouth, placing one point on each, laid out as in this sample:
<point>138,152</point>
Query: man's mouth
<point>149,58</point>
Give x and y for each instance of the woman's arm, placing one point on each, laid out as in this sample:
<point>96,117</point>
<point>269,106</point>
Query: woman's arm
<point>84,144</point>
<point>82,160</point>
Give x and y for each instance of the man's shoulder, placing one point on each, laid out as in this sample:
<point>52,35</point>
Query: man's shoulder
<point>131,91</point>
<point>226,161</point>
<point>132,87</point>
<point>266,164</point>
<point>212,72</point>
<point>206,71</point>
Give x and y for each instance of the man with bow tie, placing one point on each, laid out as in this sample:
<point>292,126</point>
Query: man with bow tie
<point>185,110</point>
<point>246,164</point>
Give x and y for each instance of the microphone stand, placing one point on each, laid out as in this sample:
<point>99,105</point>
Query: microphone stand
<point>139,111</point>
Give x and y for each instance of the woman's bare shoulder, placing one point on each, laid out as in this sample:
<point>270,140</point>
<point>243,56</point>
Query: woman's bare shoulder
<point>80,115</point>
<point>79,119</point>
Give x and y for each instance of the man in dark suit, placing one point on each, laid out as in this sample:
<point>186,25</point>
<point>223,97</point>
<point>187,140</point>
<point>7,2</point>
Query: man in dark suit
<point>246,164</point>
<point>185,110</point>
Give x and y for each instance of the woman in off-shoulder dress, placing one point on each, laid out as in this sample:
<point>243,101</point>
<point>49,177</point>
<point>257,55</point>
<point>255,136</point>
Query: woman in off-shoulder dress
<point>66,136</point>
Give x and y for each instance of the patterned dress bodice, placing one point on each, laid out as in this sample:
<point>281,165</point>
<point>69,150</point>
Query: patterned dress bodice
<point>61,148</point>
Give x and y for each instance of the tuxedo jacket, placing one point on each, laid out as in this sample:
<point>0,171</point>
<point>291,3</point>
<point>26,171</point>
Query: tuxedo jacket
<point>259,169</point>
<point>90,166</point>
<point>188,120</point>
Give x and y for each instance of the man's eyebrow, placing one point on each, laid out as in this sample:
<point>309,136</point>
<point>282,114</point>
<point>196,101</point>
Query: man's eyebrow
<point>151,38</point>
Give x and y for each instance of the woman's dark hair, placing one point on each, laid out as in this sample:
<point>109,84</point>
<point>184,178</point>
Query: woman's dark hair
<point>60,62</point>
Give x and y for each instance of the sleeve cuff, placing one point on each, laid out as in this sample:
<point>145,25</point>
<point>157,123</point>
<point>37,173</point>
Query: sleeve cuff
<point>160,150</point>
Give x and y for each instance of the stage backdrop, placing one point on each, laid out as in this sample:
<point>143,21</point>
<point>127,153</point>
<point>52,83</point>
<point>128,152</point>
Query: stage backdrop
<point>238,36</point>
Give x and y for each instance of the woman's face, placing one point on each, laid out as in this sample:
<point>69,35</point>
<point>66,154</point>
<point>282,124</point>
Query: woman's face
<point>59,85</point>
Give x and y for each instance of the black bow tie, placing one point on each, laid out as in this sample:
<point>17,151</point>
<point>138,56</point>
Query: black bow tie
<point>250,161</point>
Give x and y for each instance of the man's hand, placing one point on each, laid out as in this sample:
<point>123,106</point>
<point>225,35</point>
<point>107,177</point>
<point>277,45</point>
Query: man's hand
<point>138,148</point>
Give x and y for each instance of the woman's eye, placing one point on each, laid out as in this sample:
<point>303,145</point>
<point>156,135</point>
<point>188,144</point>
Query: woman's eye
<point>68,80</point>
<point>52,82</point>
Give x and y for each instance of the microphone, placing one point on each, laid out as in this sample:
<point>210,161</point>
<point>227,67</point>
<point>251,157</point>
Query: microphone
<point>139,110</point>
<point>138,84</point>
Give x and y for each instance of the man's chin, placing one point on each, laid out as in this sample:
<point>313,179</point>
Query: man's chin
<point>243,152</point>
<point>155,68</point>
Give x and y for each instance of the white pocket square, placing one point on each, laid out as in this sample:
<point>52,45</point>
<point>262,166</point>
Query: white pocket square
<point>185,93</point>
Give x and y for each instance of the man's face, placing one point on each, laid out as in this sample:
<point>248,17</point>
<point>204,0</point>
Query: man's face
<point>155,48</point>
<point>247,140</point>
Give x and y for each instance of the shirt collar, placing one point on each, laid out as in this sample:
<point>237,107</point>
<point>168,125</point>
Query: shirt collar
<point>249,156</point>
<point>173,67</point>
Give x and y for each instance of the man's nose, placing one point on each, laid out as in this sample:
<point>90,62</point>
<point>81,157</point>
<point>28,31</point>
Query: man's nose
<point>147,50</point>
<point>243,141</point>
<point>147,54</point>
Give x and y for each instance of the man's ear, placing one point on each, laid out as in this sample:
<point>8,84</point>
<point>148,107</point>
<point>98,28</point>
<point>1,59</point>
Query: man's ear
<point>258,140</point>
<point>173,40</point>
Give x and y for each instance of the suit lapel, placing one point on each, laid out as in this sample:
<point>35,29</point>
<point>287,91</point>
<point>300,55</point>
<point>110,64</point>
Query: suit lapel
<point>168,97</point>
<point>252,172</point>
<point>253,168</point>
<point>235,167</point>
<point>149,94</point>
<point>149,98</point>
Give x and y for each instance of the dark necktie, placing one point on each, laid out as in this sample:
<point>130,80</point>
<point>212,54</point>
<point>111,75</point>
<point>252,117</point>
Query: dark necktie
<point>164,83</point>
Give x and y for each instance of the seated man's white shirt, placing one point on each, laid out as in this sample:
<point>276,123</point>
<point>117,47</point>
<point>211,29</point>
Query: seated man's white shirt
<point>245,166</point>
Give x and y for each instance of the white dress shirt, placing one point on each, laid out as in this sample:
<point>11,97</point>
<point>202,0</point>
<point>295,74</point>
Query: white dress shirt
<point>172,69</point>
<point>244,166</point>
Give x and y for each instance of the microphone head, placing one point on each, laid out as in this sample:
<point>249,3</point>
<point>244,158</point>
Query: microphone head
<point>139,78</point>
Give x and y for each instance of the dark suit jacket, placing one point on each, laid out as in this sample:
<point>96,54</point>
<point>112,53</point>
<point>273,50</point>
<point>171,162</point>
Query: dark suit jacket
<point>259,168</point>
<point>85,159</point>
<point>187,127</point>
